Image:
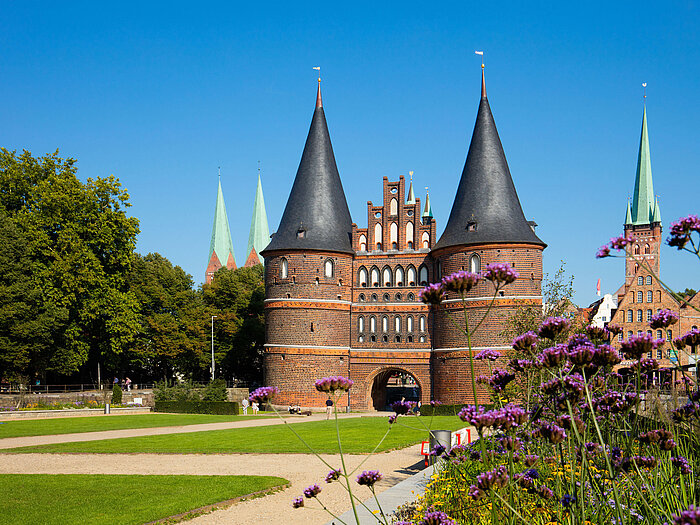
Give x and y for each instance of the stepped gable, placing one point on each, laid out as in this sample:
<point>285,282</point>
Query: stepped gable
<point>316,216</point>
<point>486,209</point>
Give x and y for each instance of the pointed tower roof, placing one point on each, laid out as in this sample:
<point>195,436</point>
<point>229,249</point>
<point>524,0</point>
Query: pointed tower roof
<point>628,215</point>
<point>657,212</point>
<point>643,204</point>
<point>411,196</point>
<point>428,209</point>
<point>259,235</point>
<point>316,216</point>
<point>221,244</point>
<point>486,198</point>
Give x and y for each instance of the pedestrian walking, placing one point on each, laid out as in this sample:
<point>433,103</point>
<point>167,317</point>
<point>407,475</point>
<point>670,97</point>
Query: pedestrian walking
<point>329,408</point>
<point>244,405</point>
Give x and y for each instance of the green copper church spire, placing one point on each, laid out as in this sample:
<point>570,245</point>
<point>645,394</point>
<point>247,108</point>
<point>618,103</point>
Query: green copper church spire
<point>643,202</point>
<point>428,213</point>
<point>221,245</point>
<point>259,236</point>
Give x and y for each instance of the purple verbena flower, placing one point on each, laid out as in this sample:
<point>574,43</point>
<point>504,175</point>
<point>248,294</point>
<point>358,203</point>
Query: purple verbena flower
<point>682,464</point>
<point>401,407</point>
<point>613,329</point>
<point>333,475</point>
<point>436,518</point>
<point>369,477</point>
<point>263,394</point>
<point>312,491</point>
<point>332,384</point>
<point>525,342</point>
<point>692,337</point>
<point>663,319</point>
<point>432,294</point>
<point>298,502</point>
<point>553,326</point>
<point>460,282</point>
<point>495,478</point>
<point>568,500</point>
<point>682,229</point>
<point>491,355</point>
<point>500,274</point>
<point>638,345</point>
<point>500,379</point>
<point>690,516</point>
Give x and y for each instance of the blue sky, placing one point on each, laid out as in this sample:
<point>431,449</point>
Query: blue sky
<point>161,94</point>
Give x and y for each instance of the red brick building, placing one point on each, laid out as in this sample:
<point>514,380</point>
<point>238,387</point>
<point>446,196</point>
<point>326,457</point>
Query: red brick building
<point>344,300</point>
<point>642,295</point>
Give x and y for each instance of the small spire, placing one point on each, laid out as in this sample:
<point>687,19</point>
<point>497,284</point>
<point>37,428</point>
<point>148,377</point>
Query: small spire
<point>411,196</point>
<point>428,213</point>
<point>483,78</point>
<point>319,102</point>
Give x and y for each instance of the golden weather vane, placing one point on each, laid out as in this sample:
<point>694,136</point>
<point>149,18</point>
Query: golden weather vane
<point>482,57</point>
<point>318,68</point>
<point>644,85</point>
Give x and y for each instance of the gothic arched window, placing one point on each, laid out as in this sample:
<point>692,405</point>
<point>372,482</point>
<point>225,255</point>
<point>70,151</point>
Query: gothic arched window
<point>363,243</point>
<point>423,276</point>
<point>475,263</point>
<point>328,268</point>
<point>363,277</point>
<point>411,276</point>
<point>399,276</point>
<point>284,269</point>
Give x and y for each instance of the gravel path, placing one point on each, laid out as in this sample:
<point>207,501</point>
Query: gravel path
<point>300,470</point>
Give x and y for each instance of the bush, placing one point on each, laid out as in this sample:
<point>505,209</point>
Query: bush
<point>116,394</point>
<point>198,407</point>
<point>215,391</point>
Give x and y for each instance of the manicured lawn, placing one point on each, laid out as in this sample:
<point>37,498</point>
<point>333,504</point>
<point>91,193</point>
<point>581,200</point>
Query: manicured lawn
<point>358,435</point>
<point>107,499</point>
<point>68,425</point>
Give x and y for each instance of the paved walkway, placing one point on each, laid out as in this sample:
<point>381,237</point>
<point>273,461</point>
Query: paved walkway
<point>30,441</point>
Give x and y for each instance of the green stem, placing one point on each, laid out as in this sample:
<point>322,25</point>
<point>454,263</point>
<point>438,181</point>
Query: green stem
<point>342,461</point>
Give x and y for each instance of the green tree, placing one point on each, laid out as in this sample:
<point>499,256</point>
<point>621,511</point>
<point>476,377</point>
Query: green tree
<point>237,298</point>
<point>79,242</point>
<point>172,337</point>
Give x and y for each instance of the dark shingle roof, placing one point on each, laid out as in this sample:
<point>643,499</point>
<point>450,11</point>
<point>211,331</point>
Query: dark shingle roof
<point>316,216</point>
<point>486,195</point>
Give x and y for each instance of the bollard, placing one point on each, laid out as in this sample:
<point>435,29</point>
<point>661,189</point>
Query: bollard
<point>107,408</point>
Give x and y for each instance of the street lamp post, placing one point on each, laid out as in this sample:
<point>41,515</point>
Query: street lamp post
<point>212,346</point>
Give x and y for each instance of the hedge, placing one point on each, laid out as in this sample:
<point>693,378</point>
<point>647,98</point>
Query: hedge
<point>198,407</point>
<point>445,410</point>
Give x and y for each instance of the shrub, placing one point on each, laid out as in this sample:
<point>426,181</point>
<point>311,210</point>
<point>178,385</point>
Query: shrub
<point>215,391</point>
<point>116,394</point>
<point>198,407</point>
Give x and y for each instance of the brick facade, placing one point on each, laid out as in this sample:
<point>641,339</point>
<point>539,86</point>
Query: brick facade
<point>364,319</point>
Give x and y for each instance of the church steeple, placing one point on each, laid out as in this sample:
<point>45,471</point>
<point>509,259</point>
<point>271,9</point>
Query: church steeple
<point>486,209</point>
<point>316,216</point>
<point>220,247</point>
<point>259,235</point>
<point>644,207</point>
<point>428,213</point>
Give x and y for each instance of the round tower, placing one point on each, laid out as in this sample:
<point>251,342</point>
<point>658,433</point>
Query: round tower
<point>308,277</point>
<point>486,225</point>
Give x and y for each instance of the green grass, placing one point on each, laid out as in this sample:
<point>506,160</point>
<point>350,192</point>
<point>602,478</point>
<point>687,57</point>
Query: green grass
<point>107,499</point>
<point>68,425</point>
<point>358,435</point>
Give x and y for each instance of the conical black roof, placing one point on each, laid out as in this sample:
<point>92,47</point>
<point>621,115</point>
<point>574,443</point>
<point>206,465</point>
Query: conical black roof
<point>316,216</point>
<point>486,209</point>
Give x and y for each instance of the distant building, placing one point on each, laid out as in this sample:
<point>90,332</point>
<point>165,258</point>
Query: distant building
<point>642,295</point>
<point>603,310</point>
<point>343,299</point>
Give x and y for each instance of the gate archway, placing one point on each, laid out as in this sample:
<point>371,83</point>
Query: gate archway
<point>393,384</point>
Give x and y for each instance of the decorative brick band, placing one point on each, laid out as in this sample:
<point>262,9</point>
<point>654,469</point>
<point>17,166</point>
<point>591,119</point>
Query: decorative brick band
<point>309,304</point>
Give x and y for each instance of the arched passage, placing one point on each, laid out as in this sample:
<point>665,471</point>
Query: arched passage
<point>393,384</point>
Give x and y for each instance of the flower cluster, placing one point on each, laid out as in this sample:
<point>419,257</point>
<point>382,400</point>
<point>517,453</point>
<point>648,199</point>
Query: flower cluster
<point>369,477</point>
<point>682,229</point>
<point>500,274</point>
<point>663,319</point>
<point>638,345</point>
<point>312,491</point>
<point>491,355</point>
<point>504,419</point>
<point>460,282</point>
<point>298,502</point>
<point>690,516</point>
<point>553,326</point>
<point>436,518</point>
<point>616,243</point>
<point>263,394</point>
<point>333,383</point>
<point>402,408</point>
<point>432,294</point>
<point>333,475</point>
<point>525,342</point>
